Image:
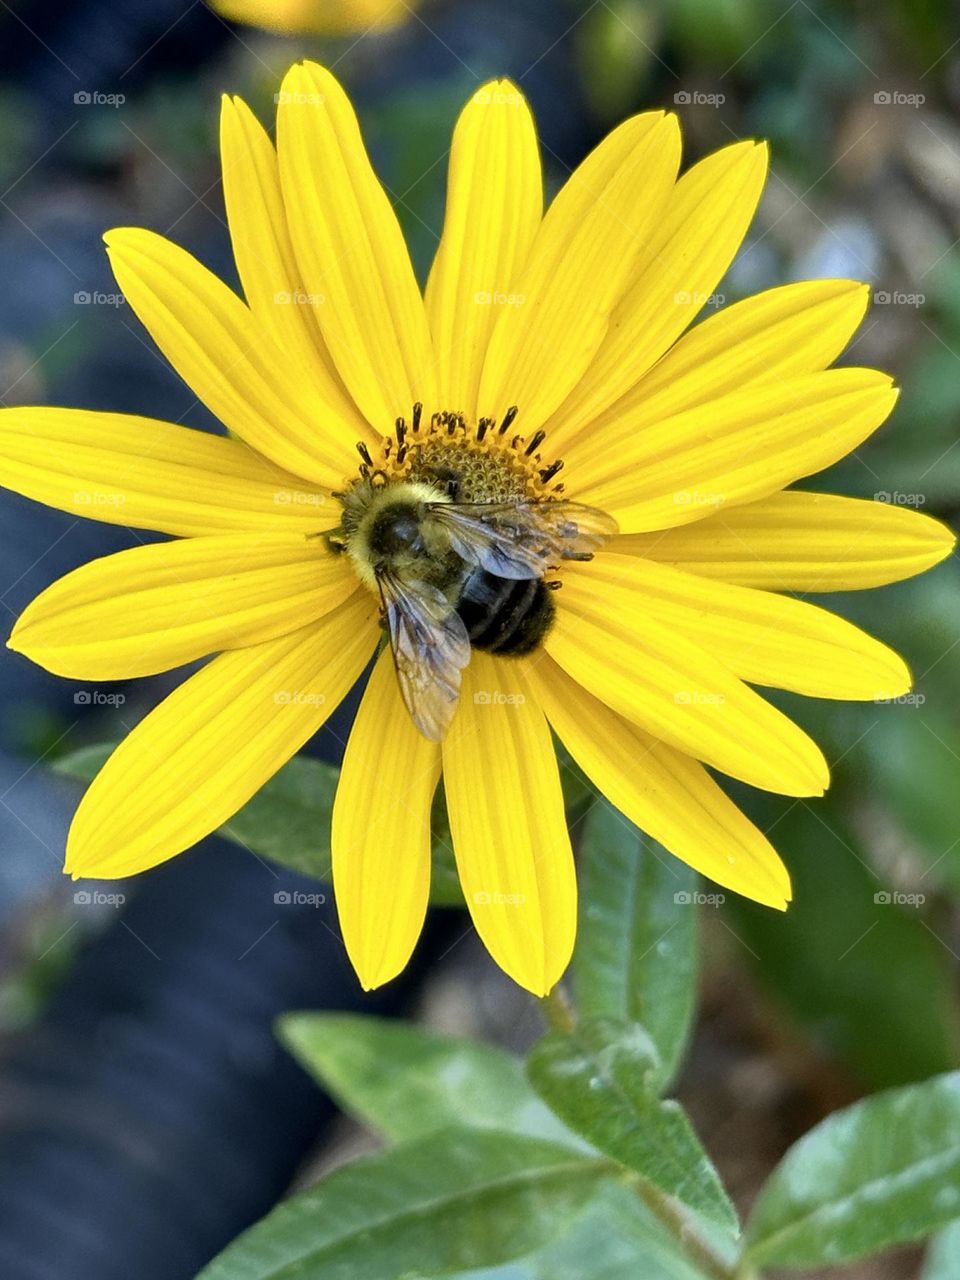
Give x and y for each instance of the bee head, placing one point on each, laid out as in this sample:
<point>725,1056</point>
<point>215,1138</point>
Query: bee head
<point>397,530</point>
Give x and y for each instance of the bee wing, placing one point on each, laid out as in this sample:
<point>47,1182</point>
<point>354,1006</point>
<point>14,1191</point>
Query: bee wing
<point>430,648</point>
<point>522,540</point>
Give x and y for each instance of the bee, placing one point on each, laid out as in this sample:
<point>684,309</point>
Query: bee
<point>453,576</point>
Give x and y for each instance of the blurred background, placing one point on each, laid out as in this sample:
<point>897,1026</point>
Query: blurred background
<point>146,1112</point>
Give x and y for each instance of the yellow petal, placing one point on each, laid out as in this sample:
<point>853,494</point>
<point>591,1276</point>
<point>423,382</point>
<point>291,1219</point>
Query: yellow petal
<point>229,360</point>
<point>802,542</point>
<point>155,607</point>
<point>580,263</point>
<point>317,17</point>
<point>265,260</point>
<point>351,250</point>
<point>381,831</point>
<point>151,475</point>
<point>779,334</point>
<point>763,638</point>
<point>743,446</point>
<point>212,744</point>
<point>509,829</point>
<point>662,791</point>
<point>675,689</point>
<point>494,205</point>
<point>678,270</point>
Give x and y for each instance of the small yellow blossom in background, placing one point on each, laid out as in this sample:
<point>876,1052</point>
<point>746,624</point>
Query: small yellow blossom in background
<point>570,332</point>
<point>316,17</point>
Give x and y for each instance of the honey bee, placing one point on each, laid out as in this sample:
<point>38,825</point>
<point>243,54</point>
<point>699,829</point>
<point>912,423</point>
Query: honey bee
<point>458,575</point>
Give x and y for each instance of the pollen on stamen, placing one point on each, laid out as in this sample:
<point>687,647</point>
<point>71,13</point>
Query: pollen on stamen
<point>481,461</point>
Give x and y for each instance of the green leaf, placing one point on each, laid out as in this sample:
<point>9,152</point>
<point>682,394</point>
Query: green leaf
<point>406,1082</point>
<point>615,1238</point>
<point>861,973</point>
<point>454,1200</point>
<point>884,1171</point>
<point>601,1081</point>
<point>636,956</point>
<point>941,1262</point>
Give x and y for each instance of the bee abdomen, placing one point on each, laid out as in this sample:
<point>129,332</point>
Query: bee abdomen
<point>505,615</point>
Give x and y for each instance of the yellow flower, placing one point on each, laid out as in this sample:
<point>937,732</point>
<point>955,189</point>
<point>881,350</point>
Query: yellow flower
<point>317,17</point>
<point>580,318</point>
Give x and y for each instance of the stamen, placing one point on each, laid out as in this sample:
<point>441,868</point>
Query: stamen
<point>473,460</point>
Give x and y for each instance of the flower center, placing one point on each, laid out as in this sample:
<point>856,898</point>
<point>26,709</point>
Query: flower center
<point>484,461</point>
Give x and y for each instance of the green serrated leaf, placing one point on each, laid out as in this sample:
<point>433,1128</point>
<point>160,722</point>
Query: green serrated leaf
<point>457,1199</point>
<point>636,956</point>
<point>601,1080</point>
<point>882,1172</point>
<point>406,1082</point>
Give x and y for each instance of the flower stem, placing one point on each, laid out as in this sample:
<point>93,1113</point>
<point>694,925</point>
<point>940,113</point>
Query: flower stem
<point>558,1011</point>
<point>672,1216</point>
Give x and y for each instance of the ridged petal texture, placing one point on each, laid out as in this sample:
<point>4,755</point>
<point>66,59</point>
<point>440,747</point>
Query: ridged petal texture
<point>151,608</point>
<point>381,831</point>
<point>509,829</point>
<point>494,206</point>
<point>351,251</point>
<point>191,763</point>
